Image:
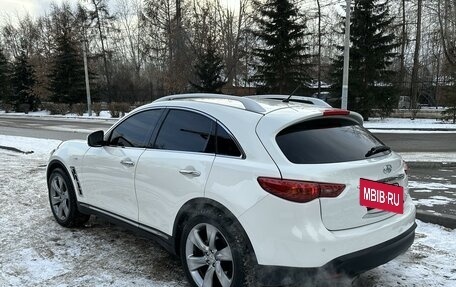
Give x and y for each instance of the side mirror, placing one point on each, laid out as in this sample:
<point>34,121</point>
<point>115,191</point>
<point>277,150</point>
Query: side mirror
<point>96,139</point>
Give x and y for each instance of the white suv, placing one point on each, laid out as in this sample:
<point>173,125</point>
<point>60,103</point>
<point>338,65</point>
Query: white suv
<point>242,189</point>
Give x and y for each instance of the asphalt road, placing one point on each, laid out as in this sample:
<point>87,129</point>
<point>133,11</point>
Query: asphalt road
<point>420,142</point>
<point>65,129</point>
<point>434,189</point>
<point>49,128</point>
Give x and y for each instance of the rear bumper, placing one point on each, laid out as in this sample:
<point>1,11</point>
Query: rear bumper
<point>350,264</point>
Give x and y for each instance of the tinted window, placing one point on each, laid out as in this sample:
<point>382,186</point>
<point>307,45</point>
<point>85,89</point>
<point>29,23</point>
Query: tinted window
<point>134,131</point>
<point>186,131</point>
<point>326,141</point>
<point>225,144</point>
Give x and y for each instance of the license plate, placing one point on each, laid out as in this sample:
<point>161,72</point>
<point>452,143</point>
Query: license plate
<point>382,196</point>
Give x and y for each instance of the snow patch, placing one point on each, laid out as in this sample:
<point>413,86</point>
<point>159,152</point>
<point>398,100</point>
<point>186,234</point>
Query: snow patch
<point>27,267</point>
<point>428,262</point>
<point>428,156</point>
<point>40,146</point>
<point>422,190</point>
<point>430,185</point>
<point>400,123</point>
<point>409,131</point>
<point>433,200</point>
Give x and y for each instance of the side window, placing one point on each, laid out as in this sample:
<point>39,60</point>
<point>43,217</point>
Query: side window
<point>186,131</point>
<point>134,131</point>
<point>225,144</point>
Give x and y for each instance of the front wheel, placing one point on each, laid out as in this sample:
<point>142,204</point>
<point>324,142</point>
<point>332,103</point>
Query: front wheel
<point>63,200</point>
<point>214,252</point>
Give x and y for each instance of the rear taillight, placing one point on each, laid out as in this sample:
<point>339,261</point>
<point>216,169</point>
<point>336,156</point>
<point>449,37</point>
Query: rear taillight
<point>299,191</point>
<point>336,112</point>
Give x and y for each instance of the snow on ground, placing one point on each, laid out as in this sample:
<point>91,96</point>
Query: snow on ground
<point>429,262</point>
<point>431,185</point>
<point>399,123</point>
<point>41,114</point>
<point>428,156</point>
<point>36,251</point>
<point>410,131</point>
<point>38,146</point>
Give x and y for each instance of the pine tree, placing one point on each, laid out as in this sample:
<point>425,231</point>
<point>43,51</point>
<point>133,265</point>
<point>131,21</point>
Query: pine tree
<point>284,55</point>
<point>23,80</point>
<point>67,74</point>
<point>5,87</point>
<point>371,55</point>
<point>208,69</point>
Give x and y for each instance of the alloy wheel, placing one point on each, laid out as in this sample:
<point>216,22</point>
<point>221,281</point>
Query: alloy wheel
<point>59,197</point>
<point>209,257</point>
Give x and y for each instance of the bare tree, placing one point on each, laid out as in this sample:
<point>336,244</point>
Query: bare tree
<point>132,31</point>
<point>403,43</point>
<point>166,20</point>
<point>103,23</point>
<point>414,92</point>
<point>448,30</point>
<point>319,48</point>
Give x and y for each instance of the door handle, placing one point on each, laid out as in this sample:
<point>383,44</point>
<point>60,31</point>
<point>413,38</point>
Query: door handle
<point>127,162</point>
<point>190,172</point>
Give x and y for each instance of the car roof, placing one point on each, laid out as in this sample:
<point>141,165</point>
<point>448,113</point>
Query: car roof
<point>263,104</point>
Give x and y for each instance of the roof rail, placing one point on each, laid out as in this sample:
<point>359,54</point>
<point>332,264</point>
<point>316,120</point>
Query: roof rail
<point>293,98</point>
<point>249,104</point>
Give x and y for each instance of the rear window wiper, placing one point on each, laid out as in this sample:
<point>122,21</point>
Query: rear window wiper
<point>377,149</point>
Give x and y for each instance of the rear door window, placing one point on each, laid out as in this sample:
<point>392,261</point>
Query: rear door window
<point>329,140</point>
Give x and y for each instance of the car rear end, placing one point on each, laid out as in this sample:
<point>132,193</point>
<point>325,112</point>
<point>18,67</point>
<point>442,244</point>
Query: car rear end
<point>313,211</point>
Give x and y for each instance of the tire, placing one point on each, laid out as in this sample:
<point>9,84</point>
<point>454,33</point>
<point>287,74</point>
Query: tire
<point>214,252</point>
<point>62,199</point>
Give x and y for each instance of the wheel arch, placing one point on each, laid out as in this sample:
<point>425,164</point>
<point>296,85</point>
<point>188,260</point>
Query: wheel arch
<point>191,207</point>
<point>53,164</point>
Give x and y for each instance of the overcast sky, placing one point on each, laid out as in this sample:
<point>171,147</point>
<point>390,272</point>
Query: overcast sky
<point>33,7</point>
<point>38,7</point>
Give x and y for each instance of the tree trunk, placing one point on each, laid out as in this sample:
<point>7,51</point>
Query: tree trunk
<point>416,63</point>
<point>319,50</point>
<point>403,43</point>
<point>103,50</point>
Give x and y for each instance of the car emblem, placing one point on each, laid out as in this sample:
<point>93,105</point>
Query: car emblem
<point>387,169</point>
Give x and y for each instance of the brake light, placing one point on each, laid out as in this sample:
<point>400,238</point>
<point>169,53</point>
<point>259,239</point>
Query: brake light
<point>336,112</point>
<point>299,191</point>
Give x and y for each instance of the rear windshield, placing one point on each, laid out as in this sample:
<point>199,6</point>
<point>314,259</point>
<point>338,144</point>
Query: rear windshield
<point>328,140</point>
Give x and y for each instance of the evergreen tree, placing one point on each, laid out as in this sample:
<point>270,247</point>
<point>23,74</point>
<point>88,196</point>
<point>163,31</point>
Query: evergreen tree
<point>23,80</point>
<point>67,75</point>
<point>5,87</point>
<point>370,82</point>
<point>208,69</point>
<point>283,53</point>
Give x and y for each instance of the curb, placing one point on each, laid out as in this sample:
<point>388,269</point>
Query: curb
<point>61,117</point>
<point>430,164</point>
<point>445,220</point>
<point>414,129</point>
